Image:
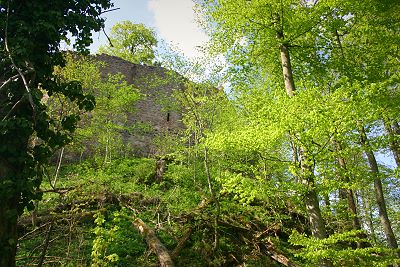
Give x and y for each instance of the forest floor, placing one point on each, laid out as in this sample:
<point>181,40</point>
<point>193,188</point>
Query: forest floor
<point>123,214</point>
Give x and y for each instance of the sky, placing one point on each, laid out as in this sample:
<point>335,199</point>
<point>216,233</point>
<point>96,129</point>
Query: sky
<point>173,20</point>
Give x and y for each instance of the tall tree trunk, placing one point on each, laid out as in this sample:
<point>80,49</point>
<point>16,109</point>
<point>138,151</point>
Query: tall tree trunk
<point>368,215</point>
<point>392,130</point>
<point>8,233</point>
<point>311,198</point>
<point>307,173</point>
<point>287,70</point>
<point>378,190</point>
<point>352,206</point>
<point>16,168</point>
<point>375,171</point>
<point>307,179</point>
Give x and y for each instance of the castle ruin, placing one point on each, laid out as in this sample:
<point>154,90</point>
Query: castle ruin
<point>156,112</point>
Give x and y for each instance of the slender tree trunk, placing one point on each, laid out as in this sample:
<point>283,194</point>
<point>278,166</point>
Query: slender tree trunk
<point>80,157</point>
<point>311,198</point>
<point>378,190</point>
<point>352,206</point>
<point>287,70</point>
<point>327,202</point>
<point>106,152</point>
<point>392,130</point>
<point>368,215</point>
<point>214,198</point>
<point>45,245</point>
<point>54,182</point>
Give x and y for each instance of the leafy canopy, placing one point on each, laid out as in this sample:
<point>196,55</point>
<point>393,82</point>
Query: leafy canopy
<point>132,42</point>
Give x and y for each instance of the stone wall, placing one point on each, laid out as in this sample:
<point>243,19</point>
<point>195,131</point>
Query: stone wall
<point>157,113</point>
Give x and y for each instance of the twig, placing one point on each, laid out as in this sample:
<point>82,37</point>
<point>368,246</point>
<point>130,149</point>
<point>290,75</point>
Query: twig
<point>12,109</point>
<point>46,245</point>
<point>109,10</point>
<point>33,231</point>
<point>108,38</point>
<point>53,184</point>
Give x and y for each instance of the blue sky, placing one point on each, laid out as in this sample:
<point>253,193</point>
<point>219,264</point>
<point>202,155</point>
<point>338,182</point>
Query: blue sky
<point>173,20</point>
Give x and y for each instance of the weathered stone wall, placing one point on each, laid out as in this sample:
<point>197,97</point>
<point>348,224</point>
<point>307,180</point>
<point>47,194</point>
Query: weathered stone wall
<point>157,109</point>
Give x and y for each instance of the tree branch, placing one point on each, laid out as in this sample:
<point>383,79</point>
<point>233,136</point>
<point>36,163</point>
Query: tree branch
<point>154,243</point>
<point>109,10</point>
<point>108,38</point>
<point>20,73</point>
<point>13,78</point>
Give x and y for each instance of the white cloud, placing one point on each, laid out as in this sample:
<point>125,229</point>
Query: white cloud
<point>175,22</point>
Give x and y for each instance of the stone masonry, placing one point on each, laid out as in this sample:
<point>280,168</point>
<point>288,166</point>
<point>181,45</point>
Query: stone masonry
<point>157,113</point>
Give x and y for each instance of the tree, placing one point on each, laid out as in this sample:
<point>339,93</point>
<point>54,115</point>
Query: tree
<point>333,66</point>
<point>30,35</point>
<point>132,42</point>
<point>276,32</point>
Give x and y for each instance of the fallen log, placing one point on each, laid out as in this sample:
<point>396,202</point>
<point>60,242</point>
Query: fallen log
<point>27,220</point>
<point>60,191</point>
<point>154,243</point>
<point>63,210</point>
<point>277,256</point>
<point>181,243</point>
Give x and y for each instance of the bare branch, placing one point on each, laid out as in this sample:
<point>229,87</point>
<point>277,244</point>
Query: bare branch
<point>109,10</point>
<point>12,109</point>
<point>15,66</point>
<point>108,38</point>
<point>13,78</point>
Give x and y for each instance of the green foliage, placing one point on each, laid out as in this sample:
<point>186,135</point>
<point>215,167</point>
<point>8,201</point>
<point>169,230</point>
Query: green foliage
<point>115,243</point>
<point>188,187</point>
<point>121,176</point>
<point>132,42</point>
<point>179,202</point>
<point>101,130</point>
<point>244,189</point>
<point>335,248</point>
<point>247,163</point>
<point>343,79</point>
<point>132,170</point>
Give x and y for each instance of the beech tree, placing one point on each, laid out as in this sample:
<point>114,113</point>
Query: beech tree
<point>329,60</point>
<point>30,35</point>
<point>267,17</point>
<point>133,42</point>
